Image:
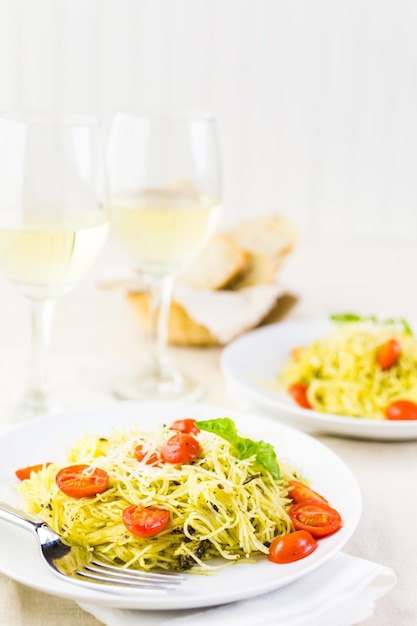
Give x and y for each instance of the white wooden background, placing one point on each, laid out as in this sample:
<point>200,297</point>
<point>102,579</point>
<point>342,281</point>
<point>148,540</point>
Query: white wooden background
<point>316,99</point>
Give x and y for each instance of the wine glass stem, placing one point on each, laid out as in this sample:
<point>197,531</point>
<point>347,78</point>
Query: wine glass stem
<point>42,312</point>
<point>160,290</point>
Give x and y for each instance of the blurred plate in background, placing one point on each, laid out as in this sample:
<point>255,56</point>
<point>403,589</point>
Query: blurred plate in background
<point>252,364</point>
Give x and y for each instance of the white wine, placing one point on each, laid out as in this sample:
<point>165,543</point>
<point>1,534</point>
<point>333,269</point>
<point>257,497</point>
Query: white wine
<point>162,230</point>
<point>46,254</point>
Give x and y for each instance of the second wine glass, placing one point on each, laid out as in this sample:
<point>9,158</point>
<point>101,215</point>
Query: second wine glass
<point>165,197</point>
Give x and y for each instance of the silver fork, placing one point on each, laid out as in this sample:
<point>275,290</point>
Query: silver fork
<point>78,565</point>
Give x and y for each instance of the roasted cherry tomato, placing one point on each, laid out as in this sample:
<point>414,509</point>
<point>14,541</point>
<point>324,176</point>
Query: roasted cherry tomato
<point>143,455</point>
<point>82,481</point>
<point>298,391</point>
<point>24,472</point>
<point>180,448</point>
<point>185,426</point>
<point>296,353</point>
<point>317,518</point>
<point>292,547</point>
<point>401,410</point>
<point>145,521</point>
<point>389,353</point>
<point>300,492</point>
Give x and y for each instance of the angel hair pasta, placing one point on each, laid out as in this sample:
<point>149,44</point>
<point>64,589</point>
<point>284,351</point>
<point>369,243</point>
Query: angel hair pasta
<point>219,505</point>
<point>343,373</point>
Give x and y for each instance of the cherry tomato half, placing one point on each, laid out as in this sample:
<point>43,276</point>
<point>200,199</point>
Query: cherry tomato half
<point>24,472</point>
<point>317,518</point>
<point>296,353</point>
<point>144,521</point>
<point>298,391</point>
<point>185,426</point>
<point>300,492</point>
<point>401,410</point>
<point>388,354</point>
<point>180,448</point>
<point>82,481</point>
<point>292,547</point>
<point>143,455</point>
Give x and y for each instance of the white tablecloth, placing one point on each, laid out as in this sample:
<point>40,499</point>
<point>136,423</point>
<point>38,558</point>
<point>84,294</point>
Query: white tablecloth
<point>96,338</point>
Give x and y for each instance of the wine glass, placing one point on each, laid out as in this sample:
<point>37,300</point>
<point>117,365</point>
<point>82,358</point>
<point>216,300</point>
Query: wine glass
<point>53,221</point>
<point>164,185</point>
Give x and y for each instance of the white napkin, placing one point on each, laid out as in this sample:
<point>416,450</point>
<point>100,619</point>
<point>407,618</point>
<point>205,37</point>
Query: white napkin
<point>228,314</point>
<point>342,592</point>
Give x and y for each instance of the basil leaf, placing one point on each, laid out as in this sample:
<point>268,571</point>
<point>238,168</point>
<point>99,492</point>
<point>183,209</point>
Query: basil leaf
<point>222,426</point>
<point>405,324</point>
<point>353,317</point>
<point>407,327</point>
<point>266,456</point>
<point>225,428</point>
<point>346,317</point>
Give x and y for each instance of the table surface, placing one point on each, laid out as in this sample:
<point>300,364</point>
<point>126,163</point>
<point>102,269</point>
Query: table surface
<point>96,338</point>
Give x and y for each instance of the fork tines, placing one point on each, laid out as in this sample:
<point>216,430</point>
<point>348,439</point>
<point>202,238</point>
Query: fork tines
<point>100,572</point>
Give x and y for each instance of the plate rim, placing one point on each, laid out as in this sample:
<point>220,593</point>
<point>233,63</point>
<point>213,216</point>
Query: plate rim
<point>70,591</point>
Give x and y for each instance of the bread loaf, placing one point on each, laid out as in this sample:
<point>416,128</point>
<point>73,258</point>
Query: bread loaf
<point>221,262</point>
<point>247,255</point>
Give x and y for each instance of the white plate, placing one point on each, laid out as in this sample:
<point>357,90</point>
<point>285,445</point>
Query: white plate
<point>254,361</point>
<point>34,442</point>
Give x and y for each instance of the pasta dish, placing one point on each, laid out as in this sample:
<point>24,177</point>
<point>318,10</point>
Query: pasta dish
<point>362,369</point>
<point>214,505</point>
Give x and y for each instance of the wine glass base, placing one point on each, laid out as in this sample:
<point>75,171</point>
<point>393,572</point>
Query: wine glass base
<point>148,387</point>
<point>32,407</point>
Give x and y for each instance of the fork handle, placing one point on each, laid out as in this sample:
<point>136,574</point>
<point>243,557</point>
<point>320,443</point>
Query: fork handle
<point>19,518</point>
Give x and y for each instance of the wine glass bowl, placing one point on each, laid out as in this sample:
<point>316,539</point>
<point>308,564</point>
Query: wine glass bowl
<point>54,220</point>
<point>164,187</point>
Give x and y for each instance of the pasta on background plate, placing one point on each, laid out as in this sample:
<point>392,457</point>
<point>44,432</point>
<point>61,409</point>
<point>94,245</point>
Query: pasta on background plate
<point>359,369</point>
